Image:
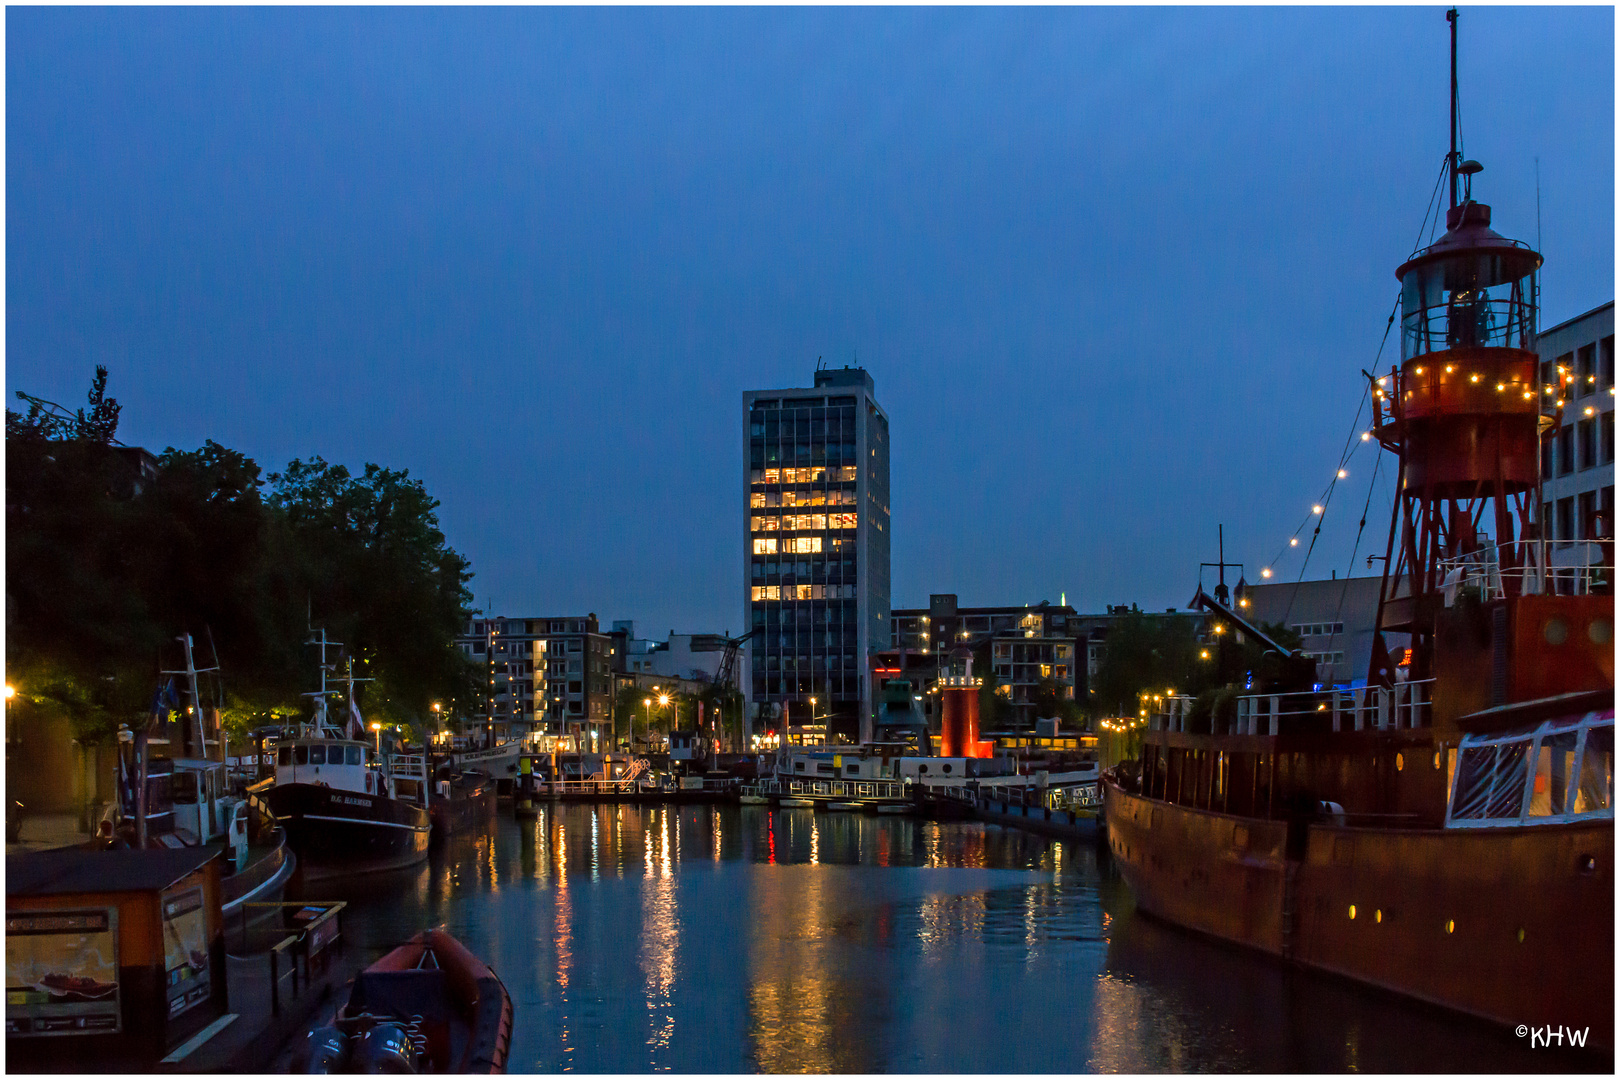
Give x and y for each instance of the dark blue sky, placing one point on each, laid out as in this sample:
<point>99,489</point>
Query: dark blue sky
<point>1115,271</point>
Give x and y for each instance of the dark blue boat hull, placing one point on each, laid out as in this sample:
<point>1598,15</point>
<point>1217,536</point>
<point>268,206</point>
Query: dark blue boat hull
<point>338,832</point>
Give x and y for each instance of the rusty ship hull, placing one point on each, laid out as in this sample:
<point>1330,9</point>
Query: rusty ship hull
<point>1515,926</point>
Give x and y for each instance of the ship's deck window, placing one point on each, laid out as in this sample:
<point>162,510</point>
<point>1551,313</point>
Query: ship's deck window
<point>284,755</point>
<point>1559,770</point>
<point>300,755</point>
<point>352,755</point>
<point>317,755</point>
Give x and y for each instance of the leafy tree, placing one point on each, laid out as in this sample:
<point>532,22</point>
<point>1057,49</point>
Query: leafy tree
<point>1143,652</point>
<point>1051,699</point>
<point>995,709</point>
<point>376,567</point>
<point>107,564</point>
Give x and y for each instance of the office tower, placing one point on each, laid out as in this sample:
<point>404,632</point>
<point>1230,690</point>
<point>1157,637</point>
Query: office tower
<point>816,552</point>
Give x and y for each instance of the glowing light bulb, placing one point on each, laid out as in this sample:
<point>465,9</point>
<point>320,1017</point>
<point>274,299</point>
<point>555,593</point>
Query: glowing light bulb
<point>1343,474</point>
<point>1317,509</point>
<point>1293,541</point>
<point>1266,572</point>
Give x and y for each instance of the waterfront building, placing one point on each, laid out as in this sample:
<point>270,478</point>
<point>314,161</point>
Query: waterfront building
<point>815,551</point>
<point>1023,646</point>
<point>1577,464</point>
<point>1336,620</point>
<point>548,674</point>
<point>693,657</point>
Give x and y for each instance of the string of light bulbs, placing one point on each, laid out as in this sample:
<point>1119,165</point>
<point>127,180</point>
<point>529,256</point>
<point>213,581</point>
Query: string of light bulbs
<point>1352,444</point>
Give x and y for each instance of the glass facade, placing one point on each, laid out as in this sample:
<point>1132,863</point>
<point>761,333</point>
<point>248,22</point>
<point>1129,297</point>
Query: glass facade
<point>817,552</point>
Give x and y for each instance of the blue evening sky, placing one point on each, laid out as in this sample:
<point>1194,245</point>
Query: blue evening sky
<point>1115,271</point>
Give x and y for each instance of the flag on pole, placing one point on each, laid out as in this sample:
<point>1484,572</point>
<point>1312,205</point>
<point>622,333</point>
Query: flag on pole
<point>357,727</point>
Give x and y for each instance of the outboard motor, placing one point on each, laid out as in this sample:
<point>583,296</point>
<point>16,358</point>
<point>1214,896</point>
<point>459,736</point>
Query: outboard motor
<point>326,1050</point>
<point>386,1048</point>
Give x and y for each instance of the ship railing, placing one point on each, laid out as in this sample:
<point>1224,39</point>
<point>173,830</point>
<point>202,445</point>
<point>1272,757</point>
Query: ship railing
<point>1581,572</point>
<point>829,789</point>
<point>1405,706</point>
<point>1505,322</point>
<point>412,768</point>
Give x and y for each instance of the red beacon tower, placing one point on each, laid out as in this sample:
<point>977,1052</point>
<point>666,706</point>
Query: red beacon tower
<point>1465,413</point>
<point>959,709</point>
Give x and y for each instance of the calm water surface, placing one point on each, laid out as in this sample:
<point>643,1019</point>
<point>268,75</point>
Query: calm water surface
<point>741,939</point>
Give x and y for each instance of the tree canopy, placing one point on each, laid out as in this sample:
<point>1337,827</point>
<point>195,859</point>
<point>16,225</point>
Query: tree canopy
<point>112,556</point>
<point>1155,653</point>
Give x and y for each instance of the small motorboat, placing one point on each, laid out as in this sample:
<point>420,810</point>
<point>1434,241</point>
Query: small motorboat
<point>844,806</point>
<point>753,800</point>
<point>893,808</point>
<point>430,1006</point>
<point>793,803</point>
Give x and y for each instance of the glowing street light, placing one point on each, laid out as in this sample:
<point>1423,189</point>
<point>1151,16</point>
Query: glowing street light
<point>376,727</point>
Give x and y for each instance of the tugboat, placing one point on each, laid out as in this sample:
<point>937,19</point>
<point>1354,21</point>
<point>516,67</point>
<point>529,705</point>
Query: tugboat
<point>345,810</point>
<point>1447,832</point>
<point>430,1006</point>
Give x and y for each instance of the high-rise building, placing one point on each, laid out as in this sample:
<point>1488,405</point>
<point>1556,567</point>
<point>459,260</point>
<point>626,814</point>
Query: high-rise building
<point>816,551</point>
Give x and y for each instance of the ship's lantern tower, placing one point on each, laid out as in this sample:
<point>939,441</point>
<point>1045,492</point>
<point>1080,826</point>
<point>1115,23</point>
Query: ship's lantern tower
<point>1462,412</point>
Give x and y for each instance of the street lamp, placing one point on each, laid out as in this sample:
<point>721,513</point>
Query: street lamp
<point>646,716</point>
<point>378,729</point>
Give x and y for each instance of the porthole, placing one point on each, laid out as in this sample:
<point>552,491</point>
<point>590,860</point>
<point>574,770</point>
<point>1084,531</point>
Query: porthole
<point>1521,935</point>
<point>1400,762</point>
<point>1451,926</point>
<point>1378,916</point>
<point>922,769</point>
<point>1437,759</point>
<point>1555,630</point>
<point>1600,631</point>
<point>1586,864</point>
<point>947,768</point>
<point>1352,911</point>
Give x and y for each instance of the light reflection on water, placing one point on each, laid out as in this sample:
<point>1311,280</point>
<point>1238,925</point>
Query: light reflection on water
<point>727,939</point>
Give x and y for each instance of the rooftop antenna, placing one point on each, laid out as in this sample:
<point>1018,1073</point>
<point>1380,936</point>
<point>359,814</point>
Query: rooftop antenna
<point>1452,159</point>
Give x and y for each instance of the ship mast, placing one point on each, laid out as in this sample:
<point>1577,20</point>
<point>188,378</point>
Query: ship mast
<point>191,671</point>
<point>1452,159</point>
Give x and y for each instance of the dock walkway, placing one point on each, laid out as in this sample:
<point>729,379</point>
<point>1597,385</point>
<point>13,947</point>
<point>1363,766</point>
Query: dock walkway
<point>257,1035</point>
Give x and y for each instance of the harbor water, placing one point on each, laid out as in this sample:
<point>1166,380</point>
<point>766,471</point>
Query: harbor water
<point>721,939</point>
